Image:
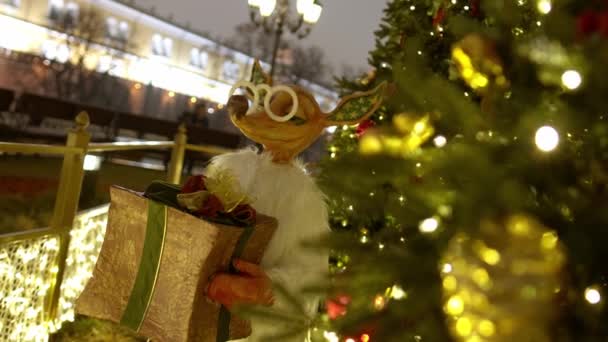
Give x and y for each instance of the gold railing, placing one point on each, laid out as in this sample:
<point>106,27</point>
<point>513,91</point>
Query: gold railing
<point>41,272</point>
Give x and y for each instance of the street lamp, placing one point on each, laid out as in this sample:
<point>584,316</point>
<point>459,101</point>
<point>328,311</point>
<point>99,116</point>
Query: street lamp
<point>274,17</point>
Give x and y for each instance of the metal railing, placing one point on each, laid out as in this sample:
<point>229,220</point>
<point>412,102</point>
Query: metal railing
<point>68,195</point>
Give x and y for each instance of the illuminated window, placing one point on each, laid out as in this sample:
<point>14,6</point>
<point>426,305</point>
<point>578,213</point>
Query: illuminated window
<point>55,9</point>
<point>199,58</point>
<point>63,14</point>
<point>71,14</point>
<point>13,3</point>
<point>231,70</point>
<point>117,30</point>
<point>161,46</point>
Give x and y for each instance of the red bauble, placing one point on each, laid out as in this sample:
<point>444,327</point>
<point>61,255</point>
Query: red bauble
<point>587,23</point>
<point>336,307</point>
<point>602,24</point>
<point>475,10</point>
<point>364,126</point>
<point>439,16</point>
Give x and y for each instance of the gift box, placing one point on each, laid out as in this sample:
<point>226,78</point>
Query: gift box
<point>155,263</point>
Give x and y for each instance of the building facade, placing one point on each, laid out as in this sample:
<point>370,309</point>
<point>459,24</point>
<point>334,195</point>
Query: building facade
<point>147,52</point>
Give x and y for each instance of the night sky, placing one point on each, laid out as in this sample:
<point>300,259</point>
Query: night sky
<point>345,30</point>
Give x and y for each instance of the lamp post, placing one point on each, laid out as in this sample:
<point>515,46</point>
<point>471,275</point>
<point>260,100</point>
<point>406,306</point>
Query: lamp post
<point>274,16</point>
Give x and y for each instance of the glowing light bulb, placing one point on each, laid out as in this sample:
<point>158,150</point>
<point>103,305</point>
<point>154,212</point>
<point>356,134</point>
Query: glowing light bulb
<point>171,94</point>
<point>572,79</point>
<point>447,268</point>
<point>397,292</point>
<point>592,295</point>
<point>193,99</point>
<point>429,225</point>
<point>547,138</point>
<point>544,6</point>
<point>331,129</point>
<point>440,141</point>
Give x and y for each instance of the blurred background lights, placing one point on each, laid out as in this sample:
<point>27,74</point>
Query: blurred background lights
<point>429,225</point>
<point>440,141</point>
<point>571,79</point>
<point>592,295</point>
<point>547,138</point>
<point>91,162</point>
<point>397,292</point>
<point>331,336</point>
<point>544,6</point>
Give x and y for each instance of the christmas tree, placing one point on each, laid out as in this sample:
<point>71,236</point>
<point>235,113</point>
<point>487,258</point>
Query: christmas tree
<point>473,206</point>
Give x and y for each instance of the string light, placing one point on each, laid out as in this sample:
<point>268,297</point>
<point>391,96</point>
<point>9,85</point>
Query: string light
<point>571,79</point>
<point>193,99</point>
<point>171,94</point>
<point>547,138</point>
<point>331,336</point>
<point>137,86</point>
<point>440,141</point>
<point>544,6</point>
<point>429,225</point>
<point>592,295</point>
<point>397,292</point>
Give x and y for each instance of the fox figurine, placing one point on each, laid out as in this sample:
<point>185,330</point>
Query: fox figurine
<point>285,123</point>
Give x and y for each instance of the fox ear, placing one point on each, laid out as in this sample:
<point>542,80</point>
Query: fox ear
<point>258,76</point>
<point>357,107</point>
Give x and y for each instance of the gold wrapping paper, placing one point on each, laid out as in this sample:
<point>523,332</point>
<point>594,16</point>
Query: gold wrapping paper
<point>194,249</point>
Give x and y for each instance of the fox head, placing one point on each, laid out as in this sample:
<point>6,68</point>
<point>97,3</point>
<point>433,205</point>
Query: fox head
<point>290,119</point>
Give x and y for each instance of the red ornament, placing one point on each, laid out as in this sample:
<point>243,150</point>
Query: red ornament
<point>591,22</point>
<point>602,24</point>
<point>337,307</point>
<point>194,184</point>
<point>475,10</point>
<point>439,16</point>
<point>587,23</point>
<point>364,126</point>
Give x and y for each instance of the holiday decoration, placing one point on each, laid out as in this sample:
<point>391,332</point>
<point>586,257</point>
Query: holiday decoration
<point>501,284</point>
<point>285,120</point>
<point>479,64</point>
<point>494,230</point>
<point>156,260</point>
<point>409,132</point>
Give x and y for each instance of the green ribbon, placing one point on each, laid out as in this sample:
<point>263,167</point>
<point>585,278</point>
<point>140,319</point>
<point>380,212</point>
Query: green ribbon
<point>162,195</point>
<point>149,265</point>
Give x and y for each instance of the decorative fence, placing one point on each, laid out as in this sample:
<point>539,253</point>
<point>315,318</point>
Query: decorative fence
<point>43,271</point>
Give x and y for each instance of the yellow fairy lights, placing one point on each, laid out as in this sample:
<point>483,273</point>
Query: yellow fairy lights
<point>546,139</point>
<point>25,278</point>
<point>409,132</point>
<point>499,287</point>
<point>478,64</point>
<point>29,267</point>
<point>86,238</point>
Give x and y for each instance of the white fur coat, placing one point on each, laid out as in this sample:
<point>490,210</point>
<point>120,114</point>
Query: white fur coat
<point>288,193</point>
